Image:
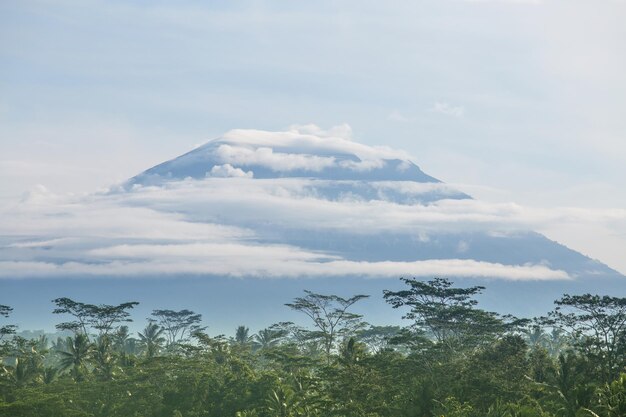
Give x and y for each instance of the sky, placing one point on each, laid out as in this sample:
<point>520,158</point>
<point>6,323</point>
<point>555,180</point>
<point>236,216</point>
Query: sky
<point>518,103</point>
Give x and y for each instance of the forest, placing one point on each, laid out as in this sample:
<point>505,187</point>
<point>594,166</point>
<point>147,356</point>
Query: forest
<point>451,359</point>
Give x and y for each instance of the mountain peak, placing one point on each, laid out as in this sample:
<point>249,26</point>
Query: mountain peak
<point>300,152</point>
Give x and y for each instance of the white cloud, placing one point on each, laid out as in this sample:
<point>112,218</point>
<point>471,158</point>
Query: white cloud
<point>298,203</point>
<point>343,131</point>
<point>308,140</point>
<point>225,252</point>
<point>241,265</point>
<point>416,188</point>
<point>305,147</point>
<point>40,243</point>
<point>362,165</point>
<point>97,217</point>
<point>187,227</point>
<point>276,161</point>
<point>228,171</point>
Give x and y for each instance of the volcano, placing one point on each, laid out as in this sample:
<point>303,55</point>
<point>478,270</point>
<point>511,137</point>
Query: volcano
<point>303,207</point>
<point>361,188</point>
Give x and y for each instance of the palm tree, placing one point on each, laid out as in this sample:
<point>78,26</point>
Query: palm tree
<point>151,339</point>
<point>41,345</point>
<point>49,374</point>
<point>123,342</point>
<point>103,357</point>
<point>120,338</point>
<point>267,338</point>
<point>57,345</point>
<point>27,370</point>
<point>536,337</point>
<point>557,342</point>
<point>75,357</point>
<point>242,335</point>
<point>28,362</point>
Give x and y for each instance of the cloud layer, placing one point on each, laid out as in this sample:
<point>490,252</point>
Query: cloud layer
<point>219,225</point>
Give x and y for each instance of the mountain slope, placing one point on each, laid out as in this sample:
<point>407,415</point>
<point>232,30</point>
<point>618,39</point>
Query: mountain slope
<point>337,170</point>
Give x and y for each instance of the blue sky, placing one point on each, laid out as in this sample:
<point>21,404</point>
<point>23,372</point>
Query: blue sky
<point>511,101</point>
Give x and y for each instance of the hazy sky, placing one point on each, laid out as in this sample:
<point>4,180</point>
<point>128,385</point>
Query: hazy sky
<point>512,101</point>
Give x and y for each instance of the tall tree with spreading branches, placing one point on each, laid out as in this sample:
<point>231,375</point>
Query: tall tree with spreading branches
<point>103,318</point>
<point>330,316</point>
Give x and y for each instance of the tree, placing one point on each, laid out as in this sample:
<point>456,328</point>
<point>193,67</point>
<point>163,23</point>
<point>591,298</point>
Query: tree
<point>536,337</point>
<point>612,398</point>
<point>27,367</point>
<point>122,341</point>
<point>242,335</point>
<point>7,329</point>
<point>102,318</point>
<point>304,339</point>
<point>151,339</point>
<point>597,325</point>
<point>447,314</point>
<point>377,338</point>
<point>496,372</point>
<point>178,325</point>
<point>267,338</point>
<point>330,316</point>
<point>75,357</point>
<point>557,342</point>
<point>103,358</point>
<point>572,387</point>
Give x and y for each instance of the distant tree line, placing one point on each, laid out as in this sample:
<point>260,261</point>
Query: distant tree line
<point>452,359</point>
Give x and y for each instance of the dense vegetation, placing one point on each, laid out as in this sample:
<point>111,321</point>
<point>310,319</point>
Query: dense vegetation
<point>453,359</point>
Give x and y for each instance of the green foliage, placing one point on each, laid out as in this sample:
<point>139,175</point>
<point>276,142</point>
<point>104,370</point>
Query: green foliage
<point>178,326</point>
<point>451,407</point>
<point>151,339</point>
<point>611,400</point>
<point>447,314</point>
<point>330,316</point>
<point>242,336</point>
<point>103,318</point>
<point>268,338</point>
<point>75,357</point>
<point>496,373</point>
<point>6,329</point>
<point>453,360</point>
<point>597,325</point>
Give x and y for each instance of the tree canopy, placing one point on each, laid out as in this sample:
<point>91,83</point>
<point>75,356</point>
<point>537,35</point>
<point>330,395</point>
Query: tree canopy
<point>453,359</point>
<point>103,318</point>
